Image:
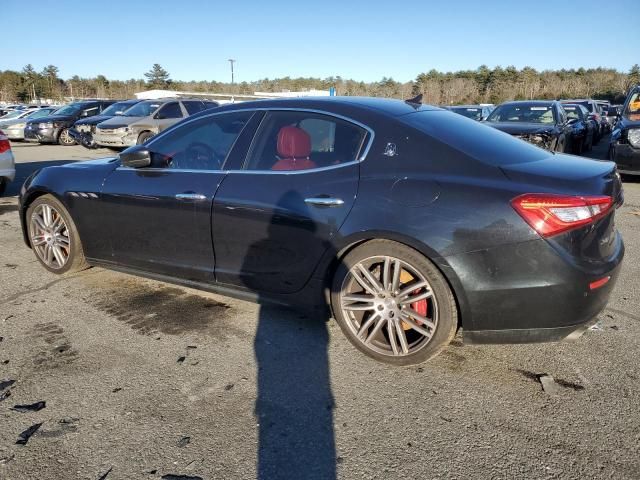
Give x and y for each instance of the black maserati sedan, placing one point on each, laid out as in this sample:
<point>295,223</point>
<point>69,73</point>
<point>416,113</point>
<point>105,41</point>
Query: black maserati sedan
<point>407,221</point>
<point>82,131</point>
<point>543,123</point>
<point>624,146</point>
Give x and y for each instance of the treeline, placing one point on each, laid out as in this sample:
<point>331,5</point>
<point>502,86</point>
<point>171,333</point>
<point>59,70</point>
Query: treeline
<point>483,85</point>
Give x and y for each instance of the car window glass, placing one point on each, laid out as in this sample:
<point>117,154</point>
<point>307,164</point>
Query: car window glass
<point>90,112</point>
<point>304,140</point>
<point>634,103</point>
<point>170,110</point>
<point>193,106</point>
<point>523,113</point>
<point>573,113</point>
<point>200,145</point>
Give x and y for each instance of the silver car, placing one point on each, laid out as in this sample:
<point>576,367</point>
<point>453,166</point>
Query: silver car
<point>146,119</point>
<point>7,163</point>
<point>14,127</point>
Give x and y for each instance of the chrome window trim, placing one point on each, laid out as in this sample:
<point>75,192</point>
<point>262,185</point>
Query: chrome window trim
<point>361,158</point>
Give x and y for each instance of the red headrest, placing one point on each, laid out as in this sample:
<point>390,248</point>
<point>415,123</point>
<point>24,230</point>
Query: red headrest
<point>293,142</point>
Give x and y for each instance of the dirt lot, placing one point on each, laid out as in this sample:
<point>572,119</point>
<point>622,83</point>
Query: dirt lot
<point>143,379</point>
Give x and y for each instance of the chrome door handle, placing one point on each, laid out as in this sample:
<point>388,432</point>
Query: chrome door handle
<point>324,201</point>
<point>190,196</point>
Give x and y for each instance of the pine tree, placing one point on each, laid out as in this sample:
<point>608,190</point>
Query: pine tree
<point>157,77</point>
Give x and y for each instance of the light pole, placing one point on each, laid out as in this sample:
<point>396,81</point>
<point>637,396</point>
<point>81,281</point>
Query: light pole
<point>232,61</point>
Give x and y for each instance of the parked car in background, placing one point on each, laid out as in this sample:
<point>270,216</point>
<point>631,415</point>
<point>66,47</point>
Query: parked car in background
<point>13,115</point>
<point>146,119</point>
<point>8,108</point>
<point>14,128</point>
<point>594,113</point>
<point>84,129</point>
<point>583,128</point>
<point>7,163</point>
<point>624,147</point>
<point>474,112</point>
<point>612,113</point>
<point>301,197</point>
<point>55,128</point>
<point>543,123</point>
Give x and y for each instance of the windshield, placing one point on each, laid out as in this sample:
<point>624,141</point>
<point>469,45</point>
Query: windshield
<point>70,109</point>
<point>41,112</point>
<point>14,114</point>
<point>142,109</point>
<point>633,106</point>
<point>529,113</point>
<point>473,113</point>
<point>116,109</point>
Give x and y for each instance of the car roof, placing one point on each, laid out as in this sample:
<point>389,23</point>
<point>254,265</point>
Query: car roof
<point>530,102</point>
<point>389,107</point>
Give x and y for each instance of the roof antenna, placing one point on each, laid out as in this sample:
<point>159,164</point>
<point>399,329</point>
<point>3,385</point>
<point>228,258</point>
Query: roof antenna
<point>417,100</point>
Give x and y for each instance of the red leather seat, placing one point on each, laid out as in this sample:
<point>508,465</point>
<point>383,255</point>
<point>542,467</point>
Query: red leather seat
<point>294,148</point>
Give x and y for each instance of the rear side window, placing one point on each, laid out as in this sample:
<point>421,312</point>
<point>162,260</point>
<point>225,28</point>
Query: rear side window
<point>479,141</point>
<point>170,110</point>
<point>193,106</point>
<point>304,141</point>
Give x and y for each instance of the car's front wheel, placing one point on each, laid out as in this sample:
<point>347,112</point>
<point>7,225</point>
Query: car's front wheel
<point>144,136</point>
<point>54,237</point>
<point>65,138</point>
<point>393,304</point>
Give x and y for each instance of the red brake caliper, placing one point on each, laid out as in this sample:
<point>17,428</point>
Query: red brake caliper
<point>420,307</point>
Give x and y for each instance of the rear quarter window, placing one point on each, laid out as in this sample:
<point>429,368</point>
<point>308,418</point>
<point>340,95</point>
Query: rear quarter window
<point>481,142</point>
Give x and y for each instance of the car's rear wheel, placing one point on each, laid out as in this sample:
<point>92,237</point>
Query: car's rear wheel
<point>54,237</point>
<point>144,136</point>
<point>393,304</point>
<point>65,138</point>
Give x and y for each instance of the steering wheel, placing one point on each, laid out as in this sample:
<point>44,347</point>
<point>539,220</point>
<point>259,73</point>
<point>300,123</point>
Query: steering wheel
<point>201,156</point>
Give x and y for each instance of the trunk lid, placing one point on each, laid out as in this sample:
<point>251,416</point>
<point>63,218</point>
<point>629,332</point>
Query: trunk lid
<point>591,247</point>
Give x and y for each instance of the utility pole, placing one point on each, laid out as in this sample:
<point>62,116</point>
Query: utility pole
<point>232,61</point>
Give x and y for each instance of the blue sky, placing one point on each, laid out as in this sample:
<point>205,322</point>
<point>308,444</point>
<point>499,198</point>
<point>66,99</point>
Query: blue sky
<point>363,40</point>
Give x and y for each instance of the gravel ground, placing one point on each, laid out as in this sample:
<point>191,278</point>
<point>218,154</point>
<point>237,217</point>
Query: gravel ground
<point>142,379</point>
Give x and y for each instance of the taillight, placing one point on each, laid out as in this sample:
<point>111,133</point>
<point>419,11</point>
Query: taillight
<point>552,214</point>
<point>4,142</point>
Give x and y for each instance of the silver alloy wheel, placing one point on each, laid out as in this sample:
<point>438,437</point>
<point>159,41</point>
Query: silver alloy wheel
<point>378,300</point>
<point>65,137</point>
<point>49,236</point>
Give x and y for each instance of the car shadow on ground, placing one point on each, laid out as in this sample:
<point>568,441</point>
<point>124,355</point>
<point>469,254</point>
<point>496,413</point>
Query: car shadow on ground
<point>294,404</point>
<point>23,170</point>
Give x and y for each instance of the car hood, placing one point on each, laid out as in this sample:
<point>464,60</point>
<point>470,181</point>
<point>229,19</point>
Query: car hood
<point>119,121</point>
<point>13,121</point>
<point>517,128</point>
<point>100,162</point>
<point>93,120</point>
<point>52,118</point>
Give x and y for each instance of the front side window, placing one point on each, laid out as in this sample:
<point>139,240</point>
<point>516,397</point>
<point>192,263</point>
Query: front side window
<point>295,140</point>
<point>142,109</point>
<point>90,112</point>
<point>634,103</point>
<point>573,112</point>
<point>170,110</point>
<point>200,145</point>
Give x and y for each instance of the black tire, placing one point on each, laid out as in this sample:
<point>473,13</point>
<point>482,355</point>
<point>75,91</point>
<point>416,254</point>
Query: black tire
<point>65,139</point>
<point>144,136</point>
<point>75,260</point>
<point>447,313</point>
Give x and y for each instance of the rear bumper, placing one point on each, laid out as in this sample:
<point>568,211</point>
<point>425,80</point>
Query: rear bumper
<point>626,157</point>
<point>7,166</point>
<point>14,133</point>
<point>527,292</point>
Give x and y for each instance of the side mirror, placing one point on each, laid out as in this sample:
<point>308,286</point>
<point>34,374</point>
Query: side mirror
<point>135,157</point>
